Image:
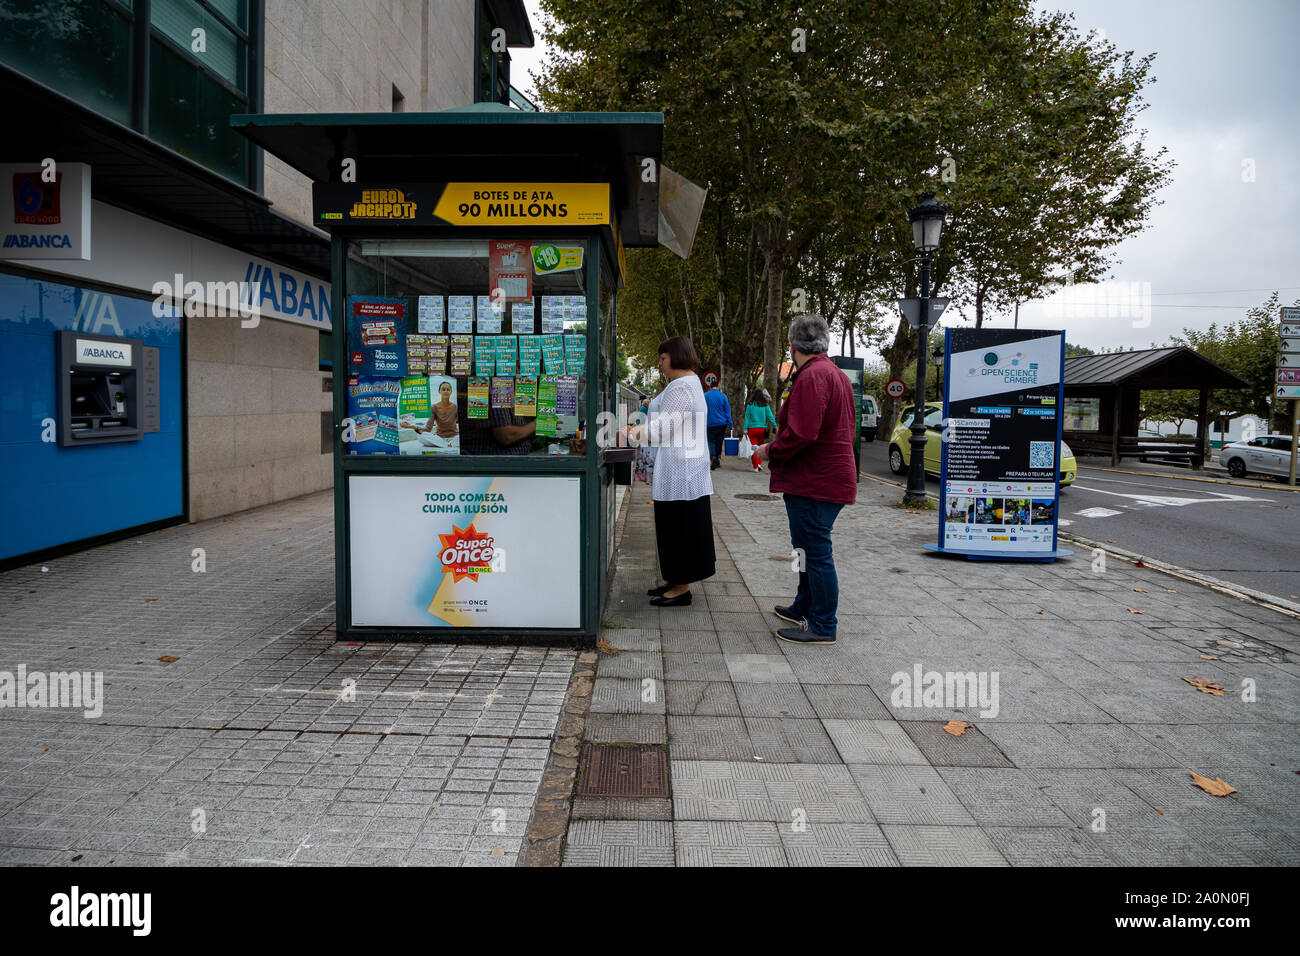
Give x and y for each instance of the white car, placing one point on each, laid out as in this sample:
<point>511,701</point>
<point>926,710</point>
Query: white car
<point>1264,455</point>
<point>870,417</point>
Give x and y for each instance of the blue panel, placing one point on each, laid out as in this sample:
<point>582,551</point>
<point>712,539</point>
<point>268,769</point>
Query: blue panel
<point>60,495</point>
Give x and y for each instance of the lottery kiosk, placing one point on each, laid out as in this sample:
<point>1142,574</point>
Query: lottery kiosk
<point>476,257</point>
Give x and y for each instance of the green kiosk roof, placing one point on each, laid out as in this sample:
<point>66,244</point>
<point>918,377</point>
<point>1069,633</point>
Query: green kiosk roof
<point>486,141</point>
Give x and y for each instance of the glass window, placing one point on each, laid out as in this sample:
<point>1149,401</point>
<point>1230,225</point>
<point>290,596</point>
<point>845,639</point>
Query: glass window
<point>1083,414</point>
<point>222,52</point>
<point>190,112</point>
<point>82,48</point>
<point>438,365</point>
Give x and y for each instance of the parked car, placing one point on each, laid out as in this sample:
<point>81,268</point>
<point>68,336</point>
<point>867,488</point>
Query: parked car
<point>1263,455</point>
<point>1162,459</point>
<point>870,417</point>
<point>900,449</point>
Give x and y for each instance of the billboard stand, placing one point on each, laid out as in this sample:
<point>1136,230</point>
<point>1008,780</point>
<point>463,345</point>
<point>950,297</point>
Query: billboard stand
<point>1003,397</point>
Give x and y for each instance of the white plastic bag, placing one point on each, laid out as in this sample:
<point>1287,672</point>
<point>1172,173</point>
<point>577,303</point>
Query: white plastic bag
<point>746,447</point>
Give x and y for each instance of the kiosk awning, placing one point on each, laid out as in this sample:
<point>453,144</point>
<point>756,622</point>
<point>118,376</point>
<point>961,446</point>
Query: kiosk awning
<point>487,141</point>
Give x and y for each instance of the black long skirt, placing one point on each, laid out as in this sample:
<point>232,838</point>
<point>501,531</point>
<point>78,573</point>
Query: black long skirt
<point>684,535</point>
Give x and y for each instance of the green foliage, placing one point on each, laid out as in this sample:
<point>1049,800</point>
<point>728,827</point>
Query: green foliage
<point>814,157</point>
<point>1073,350</point>
<point>1247,348</point>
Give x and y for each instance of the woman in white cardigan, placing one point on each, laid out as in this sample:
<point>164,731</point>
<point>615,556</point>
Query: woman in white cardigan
<point>681,485</point>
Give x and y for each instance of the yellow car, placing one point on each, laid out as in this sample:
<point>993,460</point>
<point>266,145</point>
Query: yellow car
<point>900,448</point>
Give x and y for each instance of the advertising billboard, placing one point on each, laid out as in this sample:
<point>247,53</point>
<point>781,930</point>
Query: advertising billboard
<point>1003,403</point>
<point>471,551</point>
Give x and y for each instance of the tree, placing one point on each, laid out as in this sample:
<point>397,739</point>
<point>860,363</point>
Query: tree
<point>1248,349</point>
<point>1174,406</point>
<point>1071,351</point>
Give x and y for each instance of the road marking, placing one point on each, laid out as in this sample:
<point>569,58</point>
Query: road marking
<point>1170,500</point>
<point>1096,513</point>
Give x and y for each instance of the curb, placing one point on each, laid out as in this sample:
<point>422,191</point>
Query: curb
<point>1239,591</point>
<point>549,826</point>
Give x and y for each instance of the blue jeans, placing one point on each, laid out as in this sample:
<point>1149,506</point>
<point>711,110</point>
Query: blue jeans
<point>819,588</point>
<point>716,433</point>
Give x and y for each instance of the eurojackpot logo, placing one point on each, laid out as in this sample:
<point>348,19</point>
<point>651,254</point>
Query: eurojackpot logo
<point>382,204</point>
<point>466,553</point>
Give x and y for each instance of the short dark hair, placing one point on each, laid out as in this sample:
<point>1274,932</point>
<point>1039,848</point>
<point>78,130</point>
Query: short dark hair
<point>680,352</point>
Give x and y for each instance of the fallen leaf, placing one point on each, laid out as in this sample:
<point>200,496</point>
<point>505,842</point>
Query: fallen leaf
<point>168,660</point>
<point>1170,591</point>
<point>1215,787</point>
<point>497,851</point>
<point>1040,612</point>
<point>605,647</point>
<point>1135,611</point>
<point>1205,686</point>
<point>1161,812</point>
<point>149,600</point>
<point>956,727</point>
<point>961,599</point>
<point>1139,563</point>
<point>1140,590</point>
<point>1208,657</point>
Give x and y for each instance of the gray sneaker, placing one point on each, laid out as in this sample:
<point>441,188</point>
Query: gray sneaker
<point>802,635</point>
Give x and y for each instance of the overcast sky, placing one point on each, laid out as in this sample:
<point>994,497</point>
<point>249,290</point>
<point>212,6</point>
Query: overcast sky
<point>1226,104</point>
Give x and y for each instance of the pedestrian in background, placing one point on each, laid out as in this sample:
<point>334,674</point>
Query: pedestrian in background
<point>681,484</point>
<point>812,463</point>
<point>758,419</point>
<point>719,422</point>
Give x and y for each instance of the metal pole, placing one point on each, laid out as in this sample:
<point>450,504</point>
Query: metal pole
<point>1295,439</point>
<point>916,468</point>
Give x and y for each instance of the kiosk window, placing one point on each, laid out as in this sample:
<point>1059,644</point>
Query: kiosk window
<point>462,347</point>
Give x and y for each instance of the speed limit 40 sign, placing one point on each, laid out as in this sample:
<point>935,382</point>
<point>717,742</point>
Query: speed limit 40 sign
<point>896,388</point>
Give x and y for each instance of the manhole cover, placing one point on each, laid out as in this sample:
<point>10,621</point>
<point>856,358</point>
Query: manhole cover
<point>610,770</point>
<point>757,497</point>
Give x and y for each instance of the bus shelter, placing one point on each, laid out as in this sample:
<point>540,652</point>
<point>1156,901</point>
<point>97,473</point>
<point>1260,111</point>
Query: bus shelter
<point>476,257</point>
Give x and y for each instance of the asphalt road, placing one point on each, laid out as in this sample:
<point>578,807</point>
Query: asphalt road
<point>1237,533</point>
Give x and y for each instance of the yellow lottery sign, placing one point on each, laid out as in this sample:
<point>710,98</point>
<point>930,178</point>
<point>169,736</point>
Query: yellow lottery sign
<point>524,204</point>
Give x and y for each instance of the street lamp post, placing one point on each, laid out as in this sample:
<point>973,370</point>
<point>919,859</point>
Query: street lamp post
<point>927,223</point>
<point>937,355</point>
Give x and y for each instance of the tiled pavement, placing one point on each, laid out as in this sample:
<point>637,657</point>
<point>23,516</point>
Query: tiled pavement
<point>250,748</point>
<point>782,754</point>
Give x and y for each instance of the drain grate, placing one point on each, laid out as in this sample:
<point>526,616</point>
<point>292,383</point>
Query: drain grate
<point>757,497</point>
<point>613,770</point>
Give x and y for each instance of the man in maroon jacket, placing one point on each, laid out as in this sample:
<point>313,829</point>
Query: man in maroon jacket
<point>812,462</point>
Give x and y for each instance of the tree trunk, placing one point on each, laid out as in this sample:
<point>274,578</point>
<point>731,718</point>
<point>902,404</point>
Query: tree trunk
<point>773,352</point>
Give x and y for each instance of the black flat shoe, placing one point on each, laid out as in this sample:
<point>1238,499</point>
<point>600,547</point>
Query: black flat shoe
<point>658,592</point>
<point>680,601</point>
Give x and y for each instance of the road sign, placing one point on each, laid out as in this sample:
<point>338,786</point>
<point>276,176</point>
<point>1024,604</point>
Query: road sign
<point>1290,343</point>
<point>1290,313</point>
<point>911,309</point>
<point>896,388</point>
<point>1287,391</point>
<point>1290,328</point>
<point>1287,376</point>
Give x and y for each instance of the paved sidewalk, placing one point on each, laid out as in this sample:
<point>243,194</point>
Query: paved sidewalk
<point>783,754</point>
<point>247,749</point>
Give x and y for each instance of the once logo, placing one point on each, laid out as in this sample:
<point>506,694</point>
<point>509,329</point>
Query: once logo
<point>990,358</point>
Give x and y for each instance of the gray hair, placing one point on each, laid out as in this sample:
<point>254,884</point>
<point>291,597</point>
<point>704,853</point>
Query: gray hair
<point>810,334</point>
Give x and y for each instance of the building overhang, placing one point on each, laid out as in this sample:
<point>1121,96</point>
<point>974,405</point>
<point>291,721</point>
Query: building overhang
<point>133,172</point>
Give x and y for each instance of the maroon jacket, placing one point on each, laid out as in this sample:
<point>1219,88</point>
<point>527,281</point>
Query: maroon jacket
<point>812,454</point>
